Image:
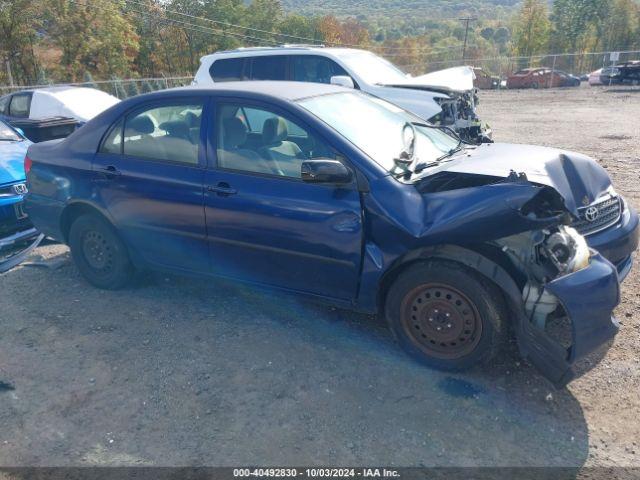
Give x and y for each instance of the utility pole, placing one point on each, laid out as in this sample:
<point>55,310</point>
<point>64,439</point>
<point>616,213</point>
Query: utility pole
<point>466,34</point>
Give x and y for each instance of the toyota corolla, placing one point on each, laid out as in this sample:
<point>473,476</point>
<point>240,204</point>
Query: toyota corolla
<point>330,193</point>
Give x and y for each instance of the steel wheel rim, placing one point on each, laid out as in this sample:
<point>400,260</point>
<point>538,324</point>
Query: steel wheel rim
<point>441,321</point>
<point>97,252</point>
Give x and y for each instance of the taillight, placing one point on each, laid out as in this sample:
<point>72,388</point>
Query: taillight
<point>27,164</point>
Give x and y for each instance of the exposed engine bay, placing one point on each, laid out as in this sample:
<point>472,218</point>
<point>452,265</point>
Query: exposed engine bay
<point>542,256</point>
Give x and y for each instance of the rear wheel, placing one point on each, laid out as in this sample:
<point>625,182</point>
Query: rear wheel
<point>446,315</point>
<point>99,253</point>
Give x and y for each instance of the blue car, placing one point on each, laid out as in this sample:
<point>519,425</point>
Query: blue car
<point>17,235</point>
<point>343,197</point>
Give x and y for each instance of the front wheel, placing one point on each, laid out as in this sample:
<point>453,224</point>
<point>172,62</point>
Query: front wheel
<point>446,315</point>
<point>99,253</point>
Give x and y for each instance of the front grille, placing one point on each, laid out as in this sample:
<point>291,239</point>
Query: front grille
<point>608,213</point>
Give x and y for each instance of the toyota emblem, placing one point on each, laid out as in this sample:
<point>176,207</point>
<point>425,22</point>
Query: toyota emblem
<point>591,214</point>
<point>20,189</point>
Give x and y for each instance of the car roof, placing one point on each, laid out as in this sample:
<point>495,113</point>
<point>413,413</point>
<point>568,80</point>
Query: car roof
<point>286,90</point>
<point>284,49</point>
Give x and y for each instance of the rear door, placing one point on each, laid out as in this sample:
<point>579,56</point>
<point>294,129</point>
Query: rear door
<point>149,174</point>
<point>265,224</point>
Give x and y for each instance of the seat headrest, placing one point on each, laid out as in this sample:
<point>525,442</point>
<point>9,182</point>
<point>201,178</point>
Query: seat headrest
<point>235,132</point>
<point>192,119</point>
<point>141,125</point>
<point>274,130</point>
<point>176,128</point>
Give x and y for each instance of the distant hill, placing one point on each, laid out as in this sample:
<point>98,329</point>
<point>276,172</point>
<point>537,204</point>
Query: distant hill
<point>433,9</point>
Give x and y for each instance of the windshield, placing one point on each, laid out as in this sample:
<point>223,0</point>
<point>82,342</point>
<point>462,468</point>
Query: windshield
<point>376,127</point>
<point>8,134</point>
<point>373,69</point>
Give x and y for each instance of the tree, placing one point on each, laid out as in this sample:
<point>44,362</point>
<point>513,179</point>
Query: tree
<point>132,89</point>
<point>146,87</point>
<point>88,80</point>
<point>621,28</point>
<point>20,21</point>
<point>531,29</point>
<point>577,22</point>
<point>118,89</point>
<point>487,33</point>
<point>95,37</point>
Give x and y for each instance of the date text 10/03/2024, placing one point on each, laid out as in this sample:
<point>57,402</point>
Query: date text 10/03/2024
<point>316,472</point>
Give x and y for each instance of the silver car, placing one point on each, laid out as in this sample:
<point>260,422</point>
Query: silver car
<point>360,69</point>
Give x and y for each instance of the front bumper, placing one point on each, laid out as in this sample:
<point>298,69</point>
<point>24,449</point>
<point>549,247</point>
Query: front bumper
<point>588,297</point>
<point>17,246</point>
<point>617,243</point>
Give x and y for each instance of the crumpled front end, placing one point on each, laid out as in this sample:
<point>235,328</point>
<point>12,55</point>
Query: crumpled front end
<point>569,292</point>
<point>561,291</point>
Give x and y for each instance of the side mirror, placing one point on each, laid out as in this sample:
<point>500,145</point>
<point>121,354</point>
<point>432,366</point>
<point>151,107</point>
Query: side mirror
<point>324,170</point>
<point>342,81</point>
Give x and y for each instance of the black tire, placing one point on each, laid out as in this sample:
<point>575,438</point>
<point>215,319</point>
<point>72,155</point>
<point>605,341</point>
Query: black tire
<point>99,253</point>
<point>535,85</point>
<point>446,315</point>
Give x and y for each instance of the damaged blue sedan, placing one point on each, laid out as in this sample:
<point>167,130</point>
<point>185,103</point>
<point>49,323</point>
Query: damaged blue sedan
<point>343,197</point>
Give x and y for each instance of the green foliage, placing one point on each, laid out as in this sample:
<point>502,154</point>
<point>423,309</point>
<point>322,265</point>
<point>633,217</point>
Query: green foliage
<point>88,80</point>
<point>132,89</point>
<point>118,89</point>
<point>531,29</point>
<point>146,87</point>
<point>73,40</point>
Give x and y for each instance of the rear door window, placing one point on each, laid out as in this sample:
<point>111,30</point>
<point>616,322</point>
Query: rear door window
<point>167,133</point>
<point>19,106</point>
<point>270,67</point>
<point>227,70</point>
<point>314,68</point>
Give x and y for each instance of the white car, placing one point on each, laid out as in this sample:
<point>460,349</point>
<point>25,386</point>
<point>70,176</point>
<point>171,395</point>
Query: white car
<point>79,103</point>
<point>450,104</point>
<point>595,78</point>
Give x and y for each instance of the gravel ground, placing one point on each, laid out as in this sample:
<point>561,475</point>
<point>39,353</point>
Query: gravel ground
<point>179,371</point>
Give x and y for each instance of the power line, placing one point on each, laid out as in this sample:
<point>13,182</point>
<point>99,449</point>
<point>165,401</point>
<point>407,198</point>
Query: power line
<point>295,37</point>
<point>185,25</point>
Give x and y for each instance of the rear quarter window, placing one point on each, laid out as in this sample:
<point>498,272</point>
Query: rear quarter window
<point>227,70</point>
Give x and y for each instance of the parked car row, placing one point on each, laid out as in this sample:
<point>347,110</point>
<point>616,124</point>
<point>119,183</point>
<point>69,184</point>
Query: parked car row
<point>323,187</point>
<point>542,78</point>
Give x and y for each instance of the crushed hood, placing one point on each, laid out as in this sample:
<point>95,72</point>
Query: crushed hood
<point>576,177</point>
<point>458,79</point>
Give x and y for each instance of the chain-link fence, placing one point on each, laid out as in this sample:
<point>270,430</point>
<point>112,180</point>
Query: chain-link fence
<point>499,67</point>
<point>121,88</point>
<point>502,66</point>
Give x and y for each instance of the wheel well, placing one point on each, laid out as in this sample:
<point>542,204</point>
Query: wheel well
<point>485,259</point>
<point>73,211</point>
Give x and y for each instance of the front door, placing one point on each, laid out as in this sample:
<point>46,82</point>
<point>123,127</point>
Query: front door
<point>149,175</point>
<point>265,224</point>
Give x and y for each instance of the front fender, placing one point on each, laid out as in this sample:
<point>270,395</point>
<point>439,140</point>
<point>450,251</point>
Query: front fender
<point>588,297</point>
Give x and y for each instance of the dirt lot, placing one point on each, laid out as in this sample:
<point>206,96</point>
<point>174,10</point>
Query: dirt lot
<point>188,372</point>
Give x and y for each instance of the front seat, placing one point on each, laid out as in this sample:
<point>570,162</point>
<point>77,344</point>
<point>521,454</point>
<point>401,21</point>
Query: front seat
<point>232,156</point>
<point>139,139</point>
<point>285,154</point>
